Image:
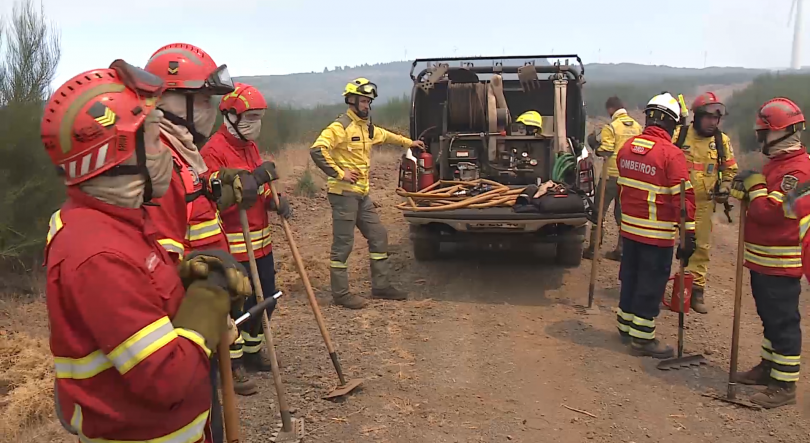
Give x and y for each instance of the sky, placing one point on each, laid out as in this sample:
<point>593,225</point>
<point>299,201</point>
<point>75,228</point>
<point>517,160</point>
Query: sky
<point>255,37</point>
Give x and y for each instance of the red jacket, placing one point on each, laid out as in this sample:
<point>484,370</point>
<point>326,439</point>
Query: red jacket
<point>772,243</point>
<point>184,225</point>
<point>123,372</point>
<point>650,173</point>
<point>223,150</point>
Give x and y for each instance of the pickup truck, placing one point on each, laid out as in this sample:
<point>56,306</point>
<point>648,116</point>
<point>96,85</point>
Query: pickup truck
<point>464,109</point>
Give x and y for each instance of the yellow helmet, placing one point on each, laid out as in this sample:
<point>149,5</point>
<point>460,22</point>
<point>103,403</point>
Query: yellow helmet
<point>531,118</point>
<point>361,86</point>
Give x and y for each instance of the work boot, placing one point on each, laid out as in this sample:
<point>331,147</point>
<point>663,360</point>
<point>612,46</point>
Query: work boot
<point>259,361</point>
<point>759,375</point>
<point>389,293</point>
<point>651,348</point>
<point>242,384</point>
<point>616,254</point>
<point>697,300</point>
<point>778,393</point>
<point>350,301</point>
<point>587,253</point>
<point>625,337</point>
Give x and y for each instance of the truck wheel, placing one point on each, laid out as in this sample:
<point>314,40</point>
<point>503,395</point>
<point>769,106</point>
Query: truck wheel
<point>569,254</point>
<point>426,248</point>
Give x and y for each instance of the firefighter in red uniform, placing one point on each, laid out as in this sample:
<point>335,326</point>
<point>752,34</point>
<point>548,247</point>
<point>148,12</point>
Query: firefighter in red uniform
<point>773,250</point>
<point>234,146</point>
<point>130,339</point>
<point>186,217</point>
<point>650,173</point>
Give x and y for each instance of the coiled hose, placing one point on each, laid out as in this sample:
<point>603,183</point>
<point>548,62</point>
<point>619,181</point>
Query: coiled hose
<point>564,164</point>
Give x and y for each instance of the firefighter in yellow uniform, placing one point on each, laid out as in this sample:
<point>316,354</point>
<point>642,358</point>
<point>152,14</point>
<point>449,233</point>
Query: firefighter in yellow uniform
<point>612,137</point>
<point>343,152</point>
<point>712,168</point>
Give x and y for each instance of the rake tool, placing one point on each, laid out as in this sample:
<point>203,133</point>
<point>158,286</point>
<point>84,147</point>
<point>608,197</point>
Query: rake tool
<point>603,176</point>
<point>292,429</point>
<point>682,361</point>
<point>345,386</point>
<point>731,389</point>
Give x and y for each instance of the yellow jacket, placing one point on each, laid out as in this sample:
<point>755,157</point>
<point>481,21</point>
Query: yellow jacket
<point>614,136</point>
<point>346,145</point>
<point>701,159</point>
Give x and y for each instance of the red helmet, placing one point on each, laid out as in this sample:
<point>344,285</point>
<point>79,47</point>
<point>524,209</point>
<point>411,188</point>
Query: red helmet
<point>91,122</point>
<point>779,113</point>
<point>708,103</point>
<point>184,66</point>
<point>243,98</point>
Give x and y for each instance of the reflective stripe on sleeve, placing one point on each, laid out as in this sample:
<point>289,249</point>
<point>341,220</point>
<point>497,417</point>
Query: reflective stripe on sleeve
<point>142,344</point>
<point>81,368</point>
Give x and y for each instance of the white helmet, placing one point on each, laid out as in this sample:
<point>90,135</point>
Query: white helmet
<point>663,105</point>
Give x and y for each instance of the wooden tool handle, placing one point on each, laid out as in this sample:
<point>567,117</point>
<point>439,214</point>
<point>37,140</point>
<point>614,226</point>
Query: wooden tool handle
<point>233,434</point>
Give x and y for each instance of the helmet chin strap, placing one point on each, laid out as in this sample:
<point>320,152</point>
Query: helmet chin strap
<point>137,169</point>
<point>234,125</point>
<point>353,104</point>
<point>187,122</point>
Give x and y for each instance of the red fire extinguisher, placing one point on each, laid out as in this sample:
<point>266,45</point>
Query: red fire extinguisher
<point>425,162</point>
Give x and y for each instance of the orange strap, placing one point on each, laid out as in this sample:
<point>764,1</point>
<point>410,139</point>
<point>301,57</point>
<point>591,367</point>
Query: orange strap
<point>188,180</point>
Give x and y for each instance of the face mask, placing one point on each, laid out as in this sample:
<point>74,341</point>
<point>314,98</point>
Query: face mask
<point>205,113</point>
<point>158,158</point>
<point>250,124</point>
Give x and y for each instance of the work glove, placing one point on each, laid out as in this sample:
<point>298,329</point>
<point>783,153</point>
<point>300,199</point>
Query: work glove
<point>204,310</point>
<point>283,209</point>
<point>793,197</point>
<point>239,187</point>
<point>744,181</point>
<point>231,275</point>
<point>686,250</point>
<point>723,192</point>
<point>265,173</point>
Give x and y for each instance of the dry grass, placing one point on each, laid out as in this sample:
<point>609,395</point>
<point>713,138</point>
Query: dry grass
<point>26,389</point>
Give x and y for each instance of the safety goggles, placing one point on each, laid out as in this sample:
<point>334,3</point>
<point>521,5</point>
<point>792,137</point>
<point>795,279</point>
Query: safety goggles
<point>368,89</point>
<point>219,82</point>
<point>717,109</point>
<point>144,83</point>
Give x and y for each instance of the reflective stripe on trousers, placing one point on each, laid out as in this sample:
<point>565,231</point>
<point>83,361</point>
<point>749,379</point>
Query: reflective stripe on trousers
<point>190,433</point>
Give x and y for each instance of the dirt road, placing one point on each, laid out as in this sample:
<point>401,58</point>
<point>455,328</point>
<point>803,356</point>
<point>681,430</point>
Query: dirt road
<point>490,348</point>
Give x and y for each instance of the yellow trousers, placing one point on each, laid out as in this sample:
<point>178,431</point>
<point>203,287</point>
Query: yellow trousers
<point>699,262</point>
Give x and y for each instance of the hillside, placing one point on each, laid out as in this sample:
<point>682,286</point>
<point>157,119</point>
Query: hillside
<point>311,89</point>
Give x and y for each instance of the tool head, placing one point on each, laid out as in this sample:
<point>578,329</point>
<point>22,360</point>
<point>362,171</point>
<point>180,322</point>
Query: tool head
<point>682,362</point>
<point>340,391</point>
<point>734,401</point>
<point>295,435</point>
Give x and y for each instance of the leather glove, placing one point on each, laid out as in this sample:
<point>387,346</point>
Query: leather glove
<point>239,187</point>
<point>744,181</point>
<point>283,208</point>
<point>686,250</point>
<point>231,275</point>
<point>723,192</point>
<point>233,331</point>
<point>265,173</point>
<point>602,154</point>
<point>204,310</point>
<point>796,194</point>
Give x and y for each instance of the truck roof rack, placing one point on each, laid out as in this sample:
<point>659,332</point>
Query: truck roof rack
<point>498,64</point>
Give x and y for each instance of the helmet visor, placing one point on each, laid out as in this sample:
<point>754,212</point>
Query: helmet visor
<point>368,89</point>
<point>144,83</point>
<point>718,109</point>
<point>219,82</point>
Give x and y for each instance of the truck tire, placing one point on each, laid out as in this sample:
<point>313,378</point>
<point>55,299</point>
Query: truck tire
<point>426,248</point>
<point>569,254</point>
